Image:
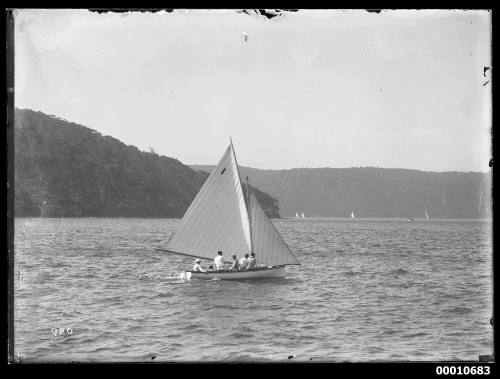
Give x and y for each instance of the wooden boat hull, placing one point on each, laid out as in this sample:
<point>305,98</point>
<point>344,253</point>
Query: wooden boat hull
<point>259,273</point>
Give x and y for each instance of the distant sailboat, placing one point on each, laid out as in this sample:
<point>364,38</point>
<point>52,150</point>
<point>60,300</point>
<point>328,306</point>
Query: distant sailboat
<point>222,218</point>
<point>302,215</point>
<point>426,216</point>
<point>352,215</point>
<point>296,215</point>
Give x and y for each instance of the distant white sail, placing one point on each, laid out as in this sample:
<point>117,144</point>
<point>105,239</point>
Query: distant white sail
<point>296,215</point>
<point>352,215</point>
<point>302,215</point>
<point>268,246</point>
<point>426,215</point>
<point>217,219</point>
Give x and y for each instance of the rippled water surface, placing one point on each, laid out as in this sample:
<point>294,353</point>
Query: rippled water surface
<point>365,290</point>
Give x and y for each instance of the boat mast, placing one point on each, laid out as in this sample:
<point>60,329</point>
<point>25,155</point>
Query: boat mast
<point>247,202</point>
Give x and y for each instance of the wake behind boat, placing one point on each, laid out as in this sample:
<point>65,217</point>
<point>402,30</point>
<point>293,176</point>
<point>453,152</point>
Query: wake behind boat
<point>222,218</point>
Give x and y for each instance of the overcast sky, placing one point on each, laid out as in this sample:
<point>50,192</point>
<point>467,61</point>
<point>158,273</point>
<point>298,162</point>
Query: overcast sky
<point>399,89</point>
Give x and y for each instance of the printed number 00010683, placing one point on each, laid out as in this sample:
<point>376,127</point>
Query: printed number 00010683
<point>463,370</point>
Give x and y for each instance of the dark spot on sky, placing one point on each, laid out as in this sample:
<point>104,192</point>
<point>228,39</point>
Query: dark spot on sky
<point>491,162</point>
<point>486,68</point>
<point>486,83</point>
<point>374,10</point>
<point>267,13</point>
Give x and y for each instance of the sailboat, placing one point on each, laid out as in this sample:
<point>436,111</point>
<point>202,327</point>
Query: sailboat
<point>296,215</point>
<point>222,217</point>
<point>426,216</point>
<point>302,215</point>
<point>352,215</point>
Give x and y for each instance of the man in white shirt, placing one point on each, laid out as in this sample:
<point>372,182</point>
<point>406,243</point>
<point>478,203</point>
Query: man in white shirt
<point>244,262</point>
<point>219,261</point>
<point>197,267</point>
<point>252,262</point>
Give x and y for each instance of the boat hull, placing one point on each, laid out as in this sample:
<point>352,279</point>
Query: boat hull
<point>260,273</point>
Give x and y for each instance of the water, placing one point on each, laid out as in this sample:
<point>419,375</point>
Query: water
<point>367,290</point>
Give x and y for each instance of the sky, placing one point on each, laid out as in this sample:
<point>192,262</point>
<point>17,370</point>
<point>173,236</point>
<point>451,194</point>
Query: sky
<point>313,88</point>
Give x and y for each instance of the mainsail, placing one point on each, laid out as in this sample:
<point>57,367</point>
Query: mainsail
<point>268,246</point>
<point>217,219</point>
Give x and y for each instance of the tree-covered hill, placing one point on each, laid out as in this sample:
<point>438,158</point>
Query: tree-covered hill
<point>65,169</point>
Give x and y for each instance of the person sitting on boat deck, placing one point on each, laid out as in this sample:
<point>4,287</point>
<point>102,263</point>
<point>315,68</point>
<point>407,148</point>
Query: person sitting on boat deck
<point>197,267</point>
<point>219,261</point>
<point>243,263</point>
<point>235,266</point>
<point>252,262</point>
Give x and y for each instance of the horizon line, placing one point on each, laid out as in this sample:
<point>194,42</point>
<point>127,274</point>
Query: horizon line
<point>350,167</point>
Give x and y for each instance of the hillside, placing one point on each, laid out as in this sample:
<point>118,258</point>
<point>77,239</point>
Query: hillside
<point>374,192</point>
<point>65,169</point>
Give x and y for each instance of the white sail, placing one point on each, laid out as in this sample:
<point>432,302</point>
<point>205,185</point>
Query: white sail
<point>302,215</point>
<point>426,215</point>
<point>268,246</point>
<point>217,219</point>
<point>352,215</point>
<point>296,215</point>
